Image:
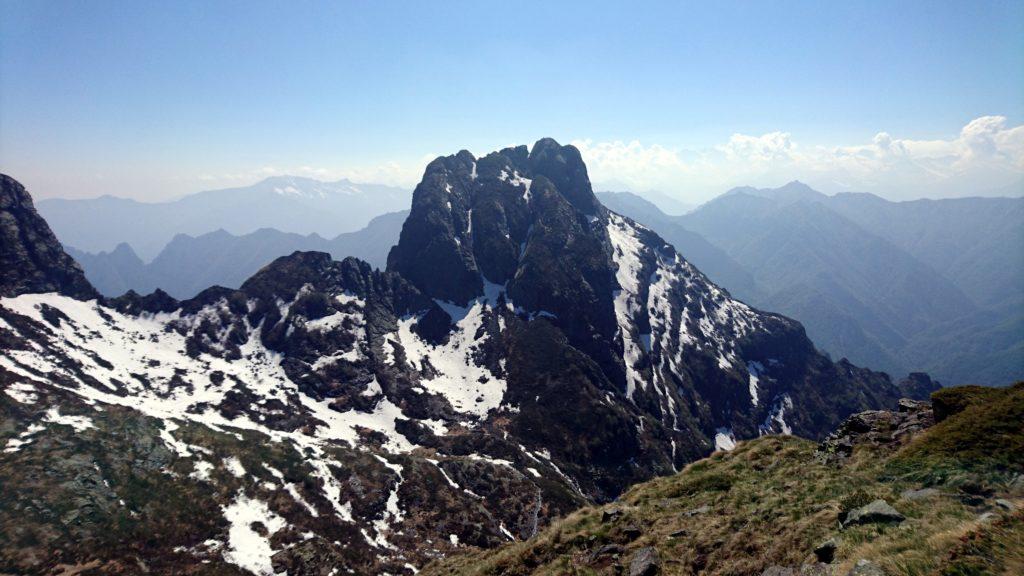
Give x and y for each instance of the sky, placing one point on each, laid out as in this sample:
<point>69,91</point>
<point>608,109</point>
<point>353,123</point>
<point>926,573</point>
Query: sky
<point>154,100</point>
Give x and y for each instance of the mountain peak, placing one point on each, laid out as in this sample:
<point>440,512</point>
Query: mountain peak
<point>792,191</point>
<point>472,219</point>
<point>31,258</point>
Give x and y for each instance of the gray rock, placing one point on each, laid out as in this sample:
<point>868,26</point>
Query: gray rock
<point>607,550</point>
<point>826,551</point>
<point>645,562</point>
<point>632,532</point>
<point>922,494</point>
<point>866,568</point>
<point>815,569</point>
<point>1006,504</point>
<point>697,511</point>
<point>610,515</point>
<point>779,571</point>
<point>876,512</point>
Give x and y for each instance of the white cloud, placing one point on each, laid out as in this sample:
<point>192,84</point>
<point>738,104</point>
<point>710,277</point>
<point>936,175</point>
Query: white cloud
<point>761,151</point>
<point>986,155</point>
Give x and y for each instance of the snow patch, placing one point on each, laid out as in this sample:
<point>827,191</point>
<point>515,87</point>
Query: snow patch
<point>79,423</point>
<point>469,387</point>
<point>247,548</point>
<point>724,439</point>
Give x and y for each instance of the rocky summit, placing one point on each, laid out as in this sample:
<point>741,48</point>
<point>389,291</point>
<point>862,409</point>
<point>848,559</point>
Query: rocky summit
<point>31,258</point>
<point>526,352</point>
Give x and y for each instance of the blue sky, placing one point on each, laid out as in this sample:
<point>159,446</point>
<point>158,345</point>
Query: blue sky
<point>156,99</point>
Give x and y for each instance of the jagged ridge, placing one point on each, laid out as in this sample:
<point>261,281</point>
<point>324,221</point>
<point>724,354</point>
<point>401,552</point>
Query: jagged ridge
<point>526,352</point>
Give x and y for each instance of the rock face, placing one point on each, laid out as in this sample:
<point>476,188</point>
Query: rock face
<point>884,428</point>
<point>660,359</point>
<point>645,562</point>
<point>918,385</point>
<point>31,258</point>
<point>526,352</point>
<point>826,551</point>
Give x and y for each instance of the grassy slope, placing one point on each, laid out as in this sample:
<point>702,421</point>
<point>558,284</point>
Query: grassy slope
<point>771,502</point>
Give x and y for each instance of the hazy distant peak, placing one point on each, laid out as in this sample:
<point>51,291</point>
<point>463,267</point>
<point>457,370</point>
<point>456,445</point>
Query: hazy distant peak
<point>790,192</point>
<point>302,187</point>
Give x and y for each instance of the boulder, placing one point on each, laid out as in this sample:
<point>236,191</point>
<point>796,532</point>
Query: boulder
<point>612,550</point>
<point>698,511</point>
<point>645,562</point>
<point>610,515</point>
<point>632,532</point>
<point>876,512</point>
<point>922,494</point>
<point>1006,505</point>
<point>826,551</point>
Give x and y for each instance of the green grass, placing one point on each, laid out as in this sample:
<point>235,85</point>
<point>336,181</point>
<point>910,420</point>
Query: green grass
<point>771,502</point>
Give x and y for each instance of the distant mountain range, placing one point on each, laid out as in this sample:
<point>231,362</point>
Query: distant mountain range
<point>188,264</point>
<point>927,285</point>
<point>287,203</point>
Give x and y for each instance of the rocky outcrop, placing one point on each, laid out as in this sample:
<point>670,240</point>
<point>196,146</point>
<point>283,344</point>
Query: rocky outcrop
<point>660,360</point>
<point>876,512</point>
<point>918,386</point>
<point>31,258</point>
<point>645,562</point>
<point>879,428</point>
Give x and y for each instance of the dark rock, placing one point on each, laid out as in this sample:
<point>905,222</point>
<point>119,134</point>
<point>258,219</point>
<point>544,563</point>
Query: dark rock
<point>972,499</point>
<point>612,550</point>
<point>611,515</point>
<point>877,512</point>
<point>826,551</point>
<point>645,562</point>
<point>31,258</point>
<point>879,428</point>
<point>918,386</point>
<point>134,304</point>
<point>632,532</point>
